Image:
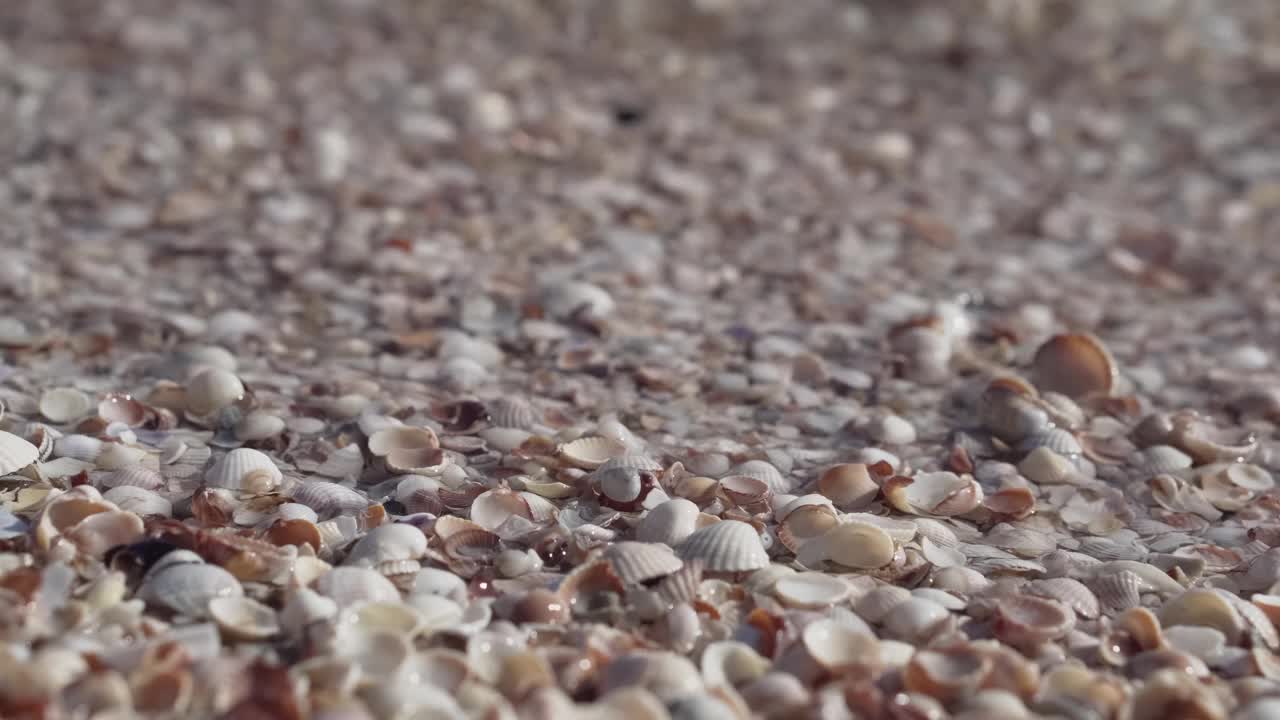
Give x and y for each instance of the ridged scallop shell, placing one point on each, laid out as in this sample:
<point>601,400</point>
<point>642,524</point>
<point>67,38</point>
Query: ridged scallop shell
<point>589,453</point>
<point>637,562</point>
<point>139,500</point>
<point>933,493</point>
<point>186,588</point>
<point>211,390</point>
<point>1062,442</point>
<point>343,463</point>
<point>401,437</point>
<point>726,546</point>
<point>78,447</point>
<point>134,476</point>
<point>349,586</point>
<point>512,412</point>
<point>765,471</point>
<point>669,523</point>
<point>329,499</point>
<point>244,469</point>
<point>1070,591</point>
<point>62,405</point>
<point>387,543</point>
<point>1161,459</point>
<point>15,453</point>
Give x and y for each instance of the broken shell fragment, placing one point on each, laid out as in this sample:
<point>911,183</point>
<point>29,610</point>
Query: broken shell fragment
<point>934,493</point>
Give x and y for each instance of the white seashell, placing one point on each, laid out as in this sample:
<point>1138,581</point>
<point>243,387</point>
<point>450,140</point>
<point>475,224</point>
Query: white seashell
<point>1205,607</point>
<point>513,563</point>
<point>504,439</point>
<point>589,453</point>
<point>259,425</point>
<point>186,588</point>
<point>810,590</point>
<point>934,493</point>
<point>296,511</point>
<point>728,663</point>
<point>417,461</point>
<point>15,453</point>
<point>134,476</point>
<point>726,546</point>
<point>304,607</point>
<point>62,405</point>
<point>1153,578</point>
<point>343,463</point>
<point>244,469</point>
<point>1248,476</point>
<point>913,618</point>
<point>669,523</point>
<point>512,412</point>
<point>638,562</point>
<point>1060,441</point>
<point>792,504</point>
<point>827,647</point>
<point>402,437</point>
<point>765,471</point>
<point>1203,642</point>
<point>959,580</point>
<point>116,455</point>
<point>211,390</point>
<point>1043,466</point>
<point>243,618</point>
<point>139,500</point>
<point>1162,459</point>
<point>329,499</point>
<point>849,486</point>
<point>388,543</point>
<point>349,586</point>
<point>850,545</point>
<point>1070,591</point>
<point>621,484</point>
<point>902,531</point>
<point>435,581</point>
<point>941,556</point>
<point>492,508</point>
<point>567,300</point>
<point>78,447</point>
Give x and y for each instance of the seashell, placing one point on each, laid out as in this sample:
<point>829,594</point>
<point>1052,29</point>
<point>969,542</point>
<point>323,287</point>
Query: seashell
<point>620,484</point>
<point>1166,694</point>
<point>1074,364</point>
<point>805,523</point>
<point>667,675</point>
<point>1014,503</point>
<point>1043,466</point>
<point>935,493</point>
<point>941,597</point>
<point>775,693</point>
<point>851,545</point>
<point>62,405</point>
<point>97,533</point>
<point>259,425</point>
<point>1074,593</point>
<point>1120,590</point>
<point>1021,541</point>
<point>402,437</point>
<point>1247,476</point>
<point>805,502</point>
<point>388,543</point>
<point>116,455</point>
<point>1210,608</point>
<point>744,490</point>
<point>246,470</point>
<point>329,499</point>
<point>728,663</point>
<point>295,531</point>
<point>946,674</point>
<point>682,585</point>
<point>134,476</point>
<point>1195,436</point>
<point>1153,578</point>
<point>417,461</point>
<point>1010,414</point>
<point>639,562</point>
<point>941,556</point>
<point>1202,642</point>
<point>512,563</point>
<point>512,412</point>
<point>913,618</point>
<point>15,453</point>
<point>959,580</point>
<point>348,586</point>
<point>849,486</point>
<point>139,501</point>
<point>876,604</point>
<point>78,447</point>
<point>1027,621</point>
<point>1062,442</point>
<point>827,648</point>
<point>810,590</point>
<point>902,531</point>
<point>211,390</point>
<point>765,471</point>
<point>569,300</point>
<point>1175,494</point>
<point>492,508</point>
<point>668,523</point>
<point>185,588</point>
<point>726,546</point>
<point>243,618</point>
<point>472,545</point>
<point>590,453</point>
<point>42,436</point>
<point>344,463</point>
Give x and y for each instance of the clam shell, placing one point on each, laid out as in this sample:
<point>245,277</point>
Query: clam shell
<point>1062,442</point>
<point>1074,593</point>
<point>913,618</point>
<point>139,500</point>
<point>810,590</point>
<point>388,543</point>
<point>948,673</point>
<point>621,484</point>
<point>1043,466</point>
<point>329,499</point>
<point>244,469</point>
<point>1009,414</point>
<point>137,476</point>
<point>1202,606</point>
<point>590,453</point>
<point>850,545</point>
<point>15,453</point>
<point>935,493</point>
<point>669,523</point>
<point>1074,364</point>
<point>186,588</point>
<point>826,647</point>
<point>348,586</point>
<point>744,489</point>
<point>849,486</point>
<point>726,546</point>
<point>243,618</point>
<point>1026,620</point>
<point>211,390</point>
<point>492,508</point>
<point>62,405</point>
<point>259,425</point>
<point>400,437</point>
<point>417,461</point>
<point>638,562</point>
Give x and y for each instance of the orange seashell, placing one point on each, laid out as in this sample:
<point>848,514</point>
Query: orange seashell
<point>1076,365</point>
<point>294,532</point>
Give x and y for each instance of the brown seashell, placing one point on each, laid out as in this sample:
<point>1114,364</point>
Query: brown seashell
<point>474,545</point>
<point>294,532</point>
<point>1014,503</point>
<point>1026,621</point>
<point>1074,364</point>
<point>745,490</point>
<point>1167,694</point>
<point>849,486</point>
<point>540,606</point>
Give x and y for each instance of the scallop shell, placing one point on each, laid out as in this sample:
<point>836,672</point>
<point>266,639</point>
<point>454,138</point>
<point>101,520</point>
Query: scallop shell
<point>1070,591</point>
<point>1119,590</point>
<point>329,499</point>
<point>244,469</point>
<point>744,489</point>
<point>1074,364</point>
<point>1162,459</point>
<point>726,546</point>
<point>764,471</point>
<point>934,493</point>
<point>401,437</point>
<point>589,453</point>
<point>512,412</point>
<point>638,562</point>
<point>913,619</point>
<point>350,586</point>
<point>78,447</point>
<point>134,476</point>
<point>243,618</point>
<point>15,453</point>
<point>116,455</point>
<point>139,500</point>
<point>62,405</point>
<point>826,647</point>
<point>1062,442</point>
<point>185,588</point>
<point>211,390</point>
<point>388,543</point>
<point>669,523</point>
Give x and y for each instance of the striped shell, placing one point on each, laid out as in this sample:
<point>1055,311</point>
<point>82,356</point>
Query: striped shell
<point>186,588</point>
<point>512,412</point>
<point>15,453</point>
<point>244,469</point>
<point>329,499</point>
<point>764,471</point>
<point>78,447</point>
<point>636,562</point>
<point>726,546</point>
<point>139,500</point>
<point>134,476</point>
<point>1072,592</point>
<point>1060,441</point>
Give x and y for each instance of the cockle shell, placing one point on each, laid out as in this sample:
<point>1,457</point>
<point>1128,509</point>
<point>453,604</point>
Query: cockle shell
<point>134,476</point>
<point>212,389</point>
<point>185,588</point>
<point>622,484</point>
<point>826,647</point>
<point>139,500</point>
<point>765,471</point>
<point>244,469</point>
<point>512,412</point>
<point>638,562</point>
<point>668,523</point>
<point>62,405</point>
<point>1043,466</point>
<point>243,618</point>
<point>934,493</point>
<point>78,447</point>
<point>913,618</point>
<point>946,673</point>
<point>1026,620</point>
<point>343,463</point>
<point>810,590</point>
<point>1074,364</point>
<point>329,499</point>
<point>15,453</point>
<point>259,425</point>
<point>745,490</point>
<point>726,546</point>
<point>1203,606</point>
<point>1070,591</point>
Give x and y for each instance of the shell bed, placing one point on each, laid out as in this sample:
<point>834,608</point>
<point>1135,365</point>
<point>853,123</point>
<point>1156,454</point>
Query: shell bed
<point>578,360</point>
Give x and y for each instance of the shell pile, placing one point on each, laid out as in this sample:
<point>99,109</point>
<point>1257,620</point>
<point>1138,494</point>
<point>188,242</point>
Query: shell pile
<point>643,360</point>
